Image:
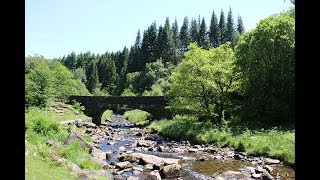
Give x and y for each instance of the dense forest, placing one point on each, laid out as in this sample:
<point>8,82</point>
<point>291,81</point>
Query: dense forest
<point>214,72</point>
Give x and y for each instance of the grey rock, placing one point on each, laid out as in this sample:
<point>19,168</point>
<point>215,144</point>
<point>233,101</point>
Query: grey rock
<point>123,165</point>
<point>271,161</point>
<point>53,143</point>
<point>171,171</point>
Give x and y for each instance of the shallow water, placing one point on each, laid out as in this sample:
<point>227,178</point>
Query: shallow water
<point>191,168</point>
<point>215,166</point>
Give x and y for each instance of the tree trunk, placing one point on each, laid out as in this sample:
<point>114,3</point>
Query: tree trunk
<point>220,113</point>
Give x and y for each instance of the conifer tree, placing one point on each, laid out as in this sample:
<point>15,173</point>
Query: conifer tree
<point>230,29</point>
<point>93,81</point>
<point>148,46</point>
<point>222,28</point>
<point>194,31</point>
<point>204,41</point>
<point>240,26</point>
<point>165,42</point>
<point>184,35</point>
<point>214,32</point>
<point>176,41</point>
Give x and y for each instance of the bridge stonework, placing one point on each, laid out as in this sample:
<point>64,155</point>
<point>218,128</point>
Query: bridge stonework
<point>96,105</point>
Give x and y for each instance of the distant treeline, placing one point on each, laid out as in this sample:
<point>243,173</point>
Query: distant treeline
<point>133,71</point>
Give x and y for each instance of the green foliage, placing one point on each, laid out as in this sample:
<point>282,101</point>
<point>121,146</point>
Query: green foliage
<point>240,26</point>
<point>37,122</point>
<point>80,74</point>
<point>214,32</point>
<point>222,29</point>
<point>93,80</point>
<point>79,154</point>
<point>76,105</point>
<point>272,142</point>
<point>47,80</point>
<point>266,61</point>
<point>106,115</point>
<point>137,116</point>
<point>128,92</point>
<point>201,83</point>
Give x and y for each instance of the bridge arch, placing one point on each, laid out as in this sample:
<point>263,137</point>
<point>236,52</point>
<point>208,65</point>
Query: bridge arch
<point>96,105</point>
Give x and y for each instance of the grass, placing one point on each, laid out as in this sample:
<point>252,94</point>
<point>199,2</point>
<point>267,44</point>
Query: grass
<point>137,116</point>
<point>62,112</point>
<point>41,169</point>
<point>77,153</point>
<point>36,165</point>
<point>275,142</point>
<point>43,125</point>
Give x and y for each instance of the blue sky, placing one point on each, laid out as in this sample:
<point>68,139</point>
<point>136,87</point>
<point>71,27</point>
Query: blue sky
<point>54,28</point>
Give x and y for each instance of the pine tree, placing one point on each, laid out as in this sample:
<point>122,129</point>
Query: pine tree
<point>214,32</point>
<point>165,42</point>
<point>240,26</point>
<point>222,28</point>
<point>93,81</point>
<point>230,29</point>
<point>148,46</point>
<point>134,54</point>
<point>184,35</point>
<point>204,41</point>
<point>194,31</point>
<point>137,43</point>
<point>71,61</point>
<point>176,41</point>
<point>122,79</point>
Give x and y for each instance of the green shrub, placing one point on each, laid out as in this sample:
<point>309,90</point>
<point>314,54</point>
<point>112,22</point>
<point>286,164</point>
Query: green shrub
<point>38,122</point>
<point>137,116</point>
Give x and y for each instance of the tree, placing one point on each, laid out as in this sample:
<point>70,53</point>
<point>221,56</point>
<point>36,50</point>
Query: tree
<point>184,34</point>
<point>47,80</point>
<point>148,46</point>
<point>202,81</point>
<point>230,36</point>
<point>63,82</point>
<point>266,61</point>
<point>165,43</point>
<point>194,31</point>
<point>93,80</point>
<point>122,79</point>
<point>222,29</point>
<point>240,26</point>
<point>80,74</point>
<point>71,61</point>
<point>176,42</point>
<point>38,85</point>
<point>137,43</point>
<point>203,35</point>
<point>214,32</point>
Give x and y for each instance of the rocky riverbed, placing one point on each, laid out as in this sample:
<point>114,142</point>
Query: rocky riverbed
<point>136,153</point>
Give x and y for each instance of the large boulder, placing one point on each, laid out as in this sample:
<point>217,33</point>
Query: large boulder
<point>171,171</point>
<point>123,165</point>
<point>158,162</point>
<point>146,143</point>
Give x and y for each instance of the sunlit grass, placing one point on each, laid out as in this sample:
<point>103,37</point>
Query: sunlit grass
<point>274,142</point>
<point>137,116</point>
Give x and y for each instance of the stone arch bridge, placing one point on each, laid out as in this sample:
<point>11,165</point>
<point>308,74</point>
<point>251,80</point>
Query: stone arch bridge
<point>96,105</point>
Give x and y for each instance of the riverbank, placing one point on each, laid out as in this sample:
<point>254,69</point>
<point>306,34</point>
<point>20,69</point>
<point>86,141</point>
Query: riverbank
<point>275,142</point>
